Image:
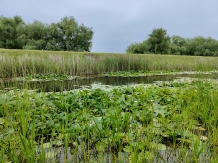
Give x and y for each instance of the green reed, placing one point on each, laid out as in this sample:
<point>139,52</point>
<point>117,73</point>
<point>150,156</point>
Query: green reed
<point>22,62</point>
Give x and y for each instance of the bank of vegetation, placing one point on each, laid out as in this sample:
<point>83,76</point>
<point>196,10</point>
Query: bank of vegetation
<point>68,35</point>
<point>159,42</point>
<point>65,35</point>
<point>28,62</point>
<point>162,122</point>
<point>169,122</point>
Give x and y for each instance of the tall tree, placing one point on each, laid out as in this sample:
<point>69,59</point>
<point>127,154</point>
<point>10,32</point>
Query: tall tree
<point>8,32</point>
<point>178,45</point>
<point>67,35</point>
<point>202,46</point>
<point>32,36</point>
<point>159,41</point>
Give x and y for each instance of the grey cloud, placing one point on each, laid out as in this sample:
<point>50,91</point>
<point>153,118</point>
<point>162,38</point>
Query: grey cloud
<point>117,24</point>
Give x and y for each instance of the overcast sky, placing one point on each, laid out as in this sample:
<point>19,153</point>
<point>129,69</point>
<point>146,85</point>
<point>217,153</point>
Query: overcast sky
<point>118,23</point>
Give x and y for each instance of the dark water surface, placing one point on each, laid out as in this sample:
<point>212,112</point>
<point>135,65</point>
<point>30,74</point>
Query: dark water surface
<point>65,85</point>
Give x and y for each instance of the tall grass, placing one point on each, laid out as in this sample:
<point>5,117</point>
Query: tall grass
<point>22,62</point>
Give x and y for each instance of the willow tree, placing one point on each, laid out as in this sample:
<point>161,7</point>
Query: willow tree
<point>158,41</point>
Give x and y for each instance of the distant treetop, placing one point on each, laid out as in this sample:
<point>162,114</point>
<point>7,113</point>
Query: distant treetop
<point>65,35</point>
<point>160,43</point>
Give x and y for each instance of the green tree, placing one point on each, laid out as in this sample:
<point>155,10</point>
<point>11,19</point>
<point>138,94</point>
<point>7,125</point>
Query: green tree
<point>8,32</point>
<point>202,46</point>
<point>138,48</point>
<point>53,38</point>
<point>158,41</point>
<point>193,47</point>
<point>32,36</point>
<point>67,35</point>
<point>178,45</point>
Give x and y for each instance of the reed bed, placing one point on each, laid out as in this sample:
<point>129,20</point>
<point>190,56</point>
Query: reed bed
<point>23,62</point>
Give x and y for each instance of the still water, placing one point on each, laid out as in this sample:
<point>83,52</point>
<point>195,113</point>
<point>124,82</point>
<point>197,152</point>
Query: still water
<point>65,85</point>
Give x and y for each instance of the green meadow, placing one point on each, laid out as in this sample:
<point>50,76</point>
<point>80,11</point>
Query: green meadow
<point>171,121</point>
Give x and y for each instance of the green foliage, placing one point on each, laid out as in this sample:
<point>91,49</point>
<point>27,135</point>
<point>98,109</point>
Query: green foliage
<point>138,48</point>
<point>138,120</point>
<point>32,36</point>
<point>178,45</point>
<point>202,46</point>
<point>159,42</point>
<point>65,35</point>
<point>9,32</point>
<point>15,63</point>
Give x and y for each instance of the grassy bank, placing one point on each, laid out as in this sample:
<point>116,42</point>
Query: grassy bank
<point>23,62</point>
<point>169,121</point>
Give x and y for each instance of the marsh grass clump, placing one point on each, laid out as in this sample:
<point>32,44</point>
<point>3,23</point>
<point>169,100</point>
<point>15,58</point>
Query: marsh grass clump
<point>23,62</point>
<point>126,123</point>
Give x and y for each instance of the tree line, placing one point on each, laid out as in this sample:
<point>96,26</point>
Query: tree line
<point>65,35</point>
<point>159,42</point>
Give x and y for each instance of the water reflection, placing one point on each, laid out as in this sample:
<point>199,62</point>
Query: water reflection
<point>56,86</point>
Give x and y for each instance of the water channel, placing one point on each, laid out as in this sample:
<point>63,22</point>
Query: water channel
<point>66,85</point>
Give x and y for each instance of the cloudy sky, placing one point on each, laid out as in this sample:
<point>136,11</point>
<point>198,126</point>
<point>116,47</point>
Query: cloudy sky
<point>118,23</point>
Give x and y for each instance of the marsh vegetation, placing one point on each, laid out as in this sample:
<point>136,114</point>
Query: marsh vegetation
<point>16,63</point>
<point>170,121</point>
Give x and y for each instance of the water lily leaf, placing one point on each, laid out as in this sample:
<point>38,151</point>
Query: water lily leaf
<point>76,126</point>
<point>58,142</point>
<point>158,125</point>
<point>161,147</point>
<point>8,131</point>
<point>50,154</point>
<point>97,119</point>
<point>100,146</point>
<point>47,145</point>
<point>120,134</point>
<point>50,122</point>
<point>203,138</point>
<point>149,155</point>
<point>2,121</point>
<point>160,109</point>
<point>127,149</point>
<point>60,136</point>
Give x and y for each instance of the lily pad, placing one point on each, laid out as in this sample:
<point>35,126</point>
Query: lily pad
<point>47,145</point>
